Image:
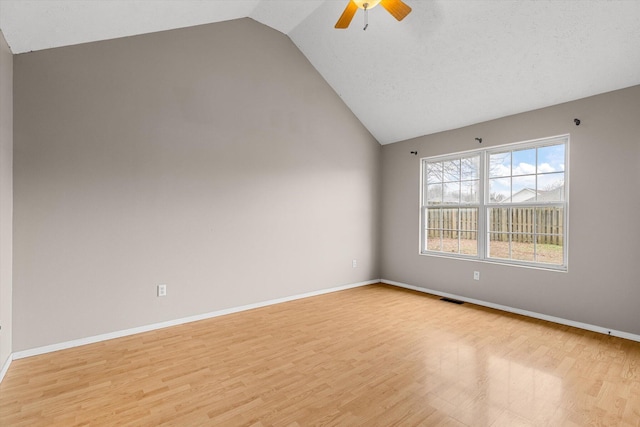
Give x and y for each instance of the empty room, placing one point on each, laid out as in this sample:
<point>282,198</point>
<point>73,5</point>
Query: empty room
<point>319,212</point>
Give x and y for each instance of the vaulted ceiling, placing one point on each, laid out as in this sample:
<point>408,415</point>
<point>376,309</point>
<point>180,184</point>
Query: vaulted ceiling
<point>448,64</point>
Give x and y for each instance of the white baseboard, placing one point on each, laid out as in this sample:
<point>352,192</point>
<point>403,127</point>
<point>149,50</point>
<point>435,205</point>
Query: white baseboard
<point>5,366</point>
<point>117,334</point>
<point>580,325</point>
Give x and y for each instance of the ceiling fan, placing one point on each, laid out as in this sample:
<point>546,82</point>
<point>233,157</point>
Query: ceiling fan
<point>397,8</point>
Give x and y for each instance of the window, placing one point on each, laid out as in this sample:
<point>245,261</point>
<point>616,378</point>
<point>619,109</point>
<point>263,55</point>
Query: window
<point>504,204</point>
<point>452,204</point>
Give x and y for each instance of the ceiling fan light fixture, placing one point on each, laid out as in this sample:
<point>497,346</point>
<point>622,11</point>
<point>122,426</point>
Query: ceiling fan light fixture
<point>397,8</point>
<point>366,4</point>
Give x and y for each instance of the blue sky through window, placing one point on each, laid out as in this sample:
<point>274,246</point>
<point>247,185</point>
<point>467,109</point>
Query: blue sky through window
<point>518,171</point>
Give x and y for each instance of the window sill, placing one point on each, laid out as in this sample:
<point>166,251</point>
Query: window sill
<point>544,267</point>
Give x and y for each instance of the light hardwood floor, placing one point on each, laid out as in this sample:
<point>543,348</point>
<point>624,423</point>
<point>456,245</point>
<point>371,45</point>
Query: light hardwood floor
<point>374,356</point>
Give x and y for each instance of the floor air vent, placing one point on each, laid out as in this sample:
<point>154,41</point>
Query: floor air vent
<point>451,300</point>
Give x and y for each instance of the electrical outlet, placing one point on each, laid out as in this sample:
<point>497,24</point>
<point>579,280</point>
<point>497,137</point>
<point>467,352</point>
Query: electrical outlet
<point>476,275</point>
<point>354,263</point>
<point>162,290</point>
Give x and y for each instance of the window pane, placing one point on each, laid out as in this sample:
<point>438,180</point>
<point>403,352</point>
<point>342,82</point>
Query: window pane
<point>499,190</point>
<point>469,192</point>
<point>434,172</point>
<point>550,229</point>
<point>469,243</point>
<point>452,230</point>
<point>498,246</point>
<point>500,164</point>
<point>524,189</point>
<point>523,247</point>
<point>549,220</point>
<point>524,162</point>
<point>551,187</point>
<point>434,238</point>
<point>450,221</point>
<point>470,168</point>
<point>522,220</point>
<point>498,219</point>
<point>549,249</point>
<point>450,245</point>
<point>433,218</point>
<point>451,193</point>
<point>451,170</point>
<point>551,158</point>
<point>468,219</point>
<point>434,194</point>
<point>549,239</point>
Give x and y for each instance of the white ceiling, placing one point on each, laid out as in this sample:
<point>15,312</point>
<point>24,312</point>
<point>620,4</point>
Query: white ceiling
<point>448,64</point>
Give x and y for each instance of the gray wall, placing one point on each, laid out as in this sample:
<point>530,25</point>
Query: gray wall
<point>6,196</point>
<point>602,286</point>
<point>213,159</point>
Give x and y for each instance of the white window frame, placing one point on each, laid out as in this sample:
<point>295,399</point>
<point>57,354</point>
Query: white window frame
<point>449,205</point>
<point>484,204</point>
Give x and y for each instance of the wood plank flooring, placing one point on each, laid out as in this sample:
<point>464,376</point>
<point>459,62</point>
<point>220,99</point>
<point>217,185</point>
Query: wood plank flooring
<point>371,356</point>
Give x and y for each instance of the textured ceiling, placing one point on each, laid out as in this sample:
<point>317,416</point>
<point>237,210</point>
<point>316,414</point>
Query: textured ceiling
<point>447,65</point>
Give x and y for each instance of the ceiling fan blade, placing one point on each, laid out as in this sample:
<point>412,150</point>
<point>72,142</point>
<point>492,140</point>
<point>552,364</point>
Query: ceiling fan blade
<point>347,15</point>
<point>397,8</point>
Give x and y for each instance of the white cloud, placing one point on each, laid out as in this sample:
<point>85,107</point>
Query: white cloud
<point>546,167</point>
<point>524,169</point>
<point>500,170</point>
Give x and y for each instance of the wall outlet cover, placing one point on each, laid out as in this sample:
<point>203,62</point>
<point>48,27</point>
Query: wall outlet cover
<point>162,290</point>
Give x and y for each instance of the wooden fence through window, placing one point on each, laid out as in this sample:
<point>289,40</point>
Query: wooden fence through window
<point>463,223</point>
